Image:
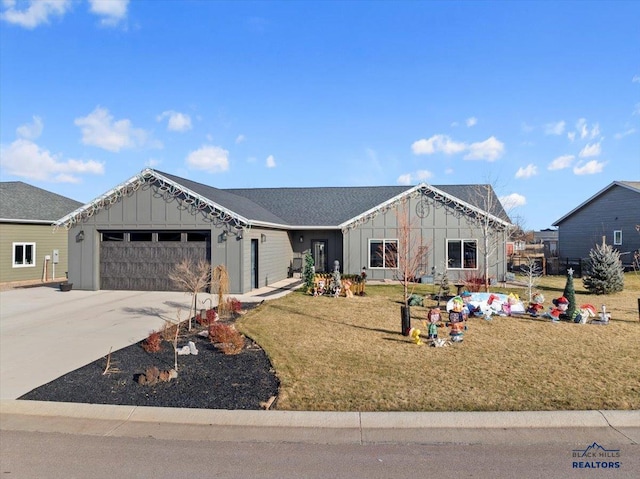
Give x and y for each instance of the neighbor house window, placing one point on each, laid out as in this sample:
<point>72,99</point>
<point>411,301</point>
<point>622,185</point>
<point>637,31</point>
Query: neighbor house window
<point>462,254</point>
<point>617,237</point>
<point>24,255</point>
<point>383,253</point>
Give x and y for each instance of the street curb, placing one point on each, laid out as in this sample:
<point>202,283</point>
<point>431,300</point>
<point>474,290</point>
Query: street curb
<point>322,427</point>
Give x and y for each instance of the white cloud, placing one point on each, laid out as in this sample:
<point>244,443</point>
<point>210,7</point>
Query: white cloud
<point>622,134</point>
<point>571,135</point>
<point>592,149</point>
<point>99,129</point>
<point>554,128</point>
<point>271,162</point>
<point>437,143</point>
<point>490,149</point>
<point>177,121</point>
<point>111,11</point>
<point>36,12</point>
<point>511,201</point>
<point>152,162</point>
<point>636,79</point>
<point>404,179</point>
<point>419,176</point>
<point>240,139</point>
<point>471,121</point>
<point>636,110</point>
<point>211,159</point>
<point>561,162</point>
<point>31,131</point>
<point>589,168</point>
<point>527,172</point>
<point>26,159</point>
<point>581,128</point>
<point>526,128</point>
<point>449,171</point>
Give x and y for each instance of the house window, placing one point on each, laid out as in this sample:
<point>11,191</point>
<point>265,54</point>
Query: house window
<point>24,255</point>
<point>383,253</point>
<point>617,237</point>
<point>462,254</point>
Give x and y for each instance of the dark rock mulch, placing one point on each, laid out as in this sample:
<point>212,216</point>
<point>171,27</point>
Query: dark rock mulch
<point>208,380</point>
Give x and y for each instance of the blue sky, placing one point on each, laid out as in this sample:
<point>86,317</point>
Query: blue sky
<point>541,99</point>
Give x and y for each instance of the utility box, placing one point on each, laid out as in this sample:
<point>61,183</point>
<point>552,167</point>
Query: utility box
<point>56,256</point>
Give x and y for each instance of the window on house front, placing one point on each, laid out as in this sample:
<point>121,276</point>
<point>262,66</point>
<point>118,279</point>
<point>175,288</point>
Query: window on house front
<point>24,255</point>
<point>462,254</point>
<point>617,237</point>
<point>383,253</point>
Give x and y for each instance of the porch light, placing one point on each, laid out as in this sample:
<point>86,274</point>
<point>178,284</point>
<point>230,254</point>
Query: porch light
<point>263,238</point>
<point>301,239</point>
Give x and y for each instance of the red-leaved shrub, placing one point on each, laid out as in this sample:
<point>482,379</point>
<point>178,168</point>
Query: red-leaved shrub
<point>153,343</point>
<point>234,305</point>
<point>226,337</point>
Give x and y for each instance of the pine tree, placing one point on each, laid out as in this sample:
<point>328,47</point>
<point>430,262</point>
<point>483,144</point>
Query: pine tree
<point>570,293</point>
<point>605,273</point>
<point>309,271</point>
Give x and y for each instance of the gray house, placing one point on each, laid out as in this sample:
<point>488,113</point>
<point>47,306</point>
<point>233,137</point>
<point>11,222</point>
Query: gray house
<point>29,250</point>
<point>132,236</point>
<point>611,214</point>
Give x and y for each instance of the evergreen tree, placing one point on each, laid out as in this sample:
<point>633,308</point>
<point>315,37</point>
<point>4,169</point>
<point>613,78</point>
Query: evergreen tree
<point>605,273</point>
<point>570,293</point>
<point>308,271</point>
<point>444,284</point>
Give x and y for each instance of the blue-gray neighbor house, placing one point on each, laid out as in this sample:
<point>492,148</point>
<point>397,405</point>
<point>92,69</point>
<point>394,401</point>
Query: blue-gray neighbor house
<point>611,215</point>
<point>132,236</point>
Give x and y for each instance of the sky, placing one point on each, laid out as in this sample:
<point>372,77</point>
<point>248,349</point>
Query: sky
<point>541,99</point>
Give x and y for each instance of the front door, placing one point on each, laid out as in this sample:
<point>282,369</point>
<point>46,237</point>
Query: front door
<point>319,252</point>
<point>254,263</point>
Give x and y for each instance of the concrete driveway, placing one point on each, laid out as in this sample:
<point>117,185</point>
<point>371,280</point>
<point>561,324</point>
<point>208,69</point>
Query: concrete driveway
<point>46,333</point>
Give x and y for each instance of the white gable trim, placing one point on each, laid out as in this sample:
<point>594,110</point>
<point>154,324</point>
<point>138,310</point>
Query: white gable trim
<point>209,208</point>
<point>416,191</point>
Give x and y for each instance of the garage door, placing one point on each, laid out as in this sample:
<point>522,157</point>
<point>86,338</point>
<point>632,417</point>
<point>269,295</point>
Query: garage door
<point>143,260</point>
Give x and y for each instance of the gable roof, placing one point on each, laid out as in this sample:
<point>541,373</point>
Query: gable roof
<point>631,185</point>
<point>20,202</point>
<point>287,208</point>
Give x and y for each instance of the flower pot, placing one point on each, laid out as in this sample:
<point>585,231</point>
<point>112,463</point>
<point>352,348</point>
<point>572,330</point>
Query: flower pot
<point>66,286</point>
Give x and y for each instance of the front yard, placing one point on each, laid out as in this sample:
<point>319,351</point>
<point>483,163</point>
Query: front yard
<point>347,354</point>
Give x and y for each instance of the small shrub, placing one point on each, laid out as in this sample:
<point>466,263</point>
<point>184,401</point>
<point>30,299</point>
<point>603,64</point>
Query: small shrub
<point>226,337</point>
<point>209,318</point>
<point>234,305</point>
<point>153,343</point>
<point>168,332</point>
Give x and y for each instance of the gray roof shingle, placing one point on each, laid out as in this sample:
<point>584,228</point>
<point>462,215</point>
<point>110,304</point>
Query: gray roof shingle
<point>20,201</point>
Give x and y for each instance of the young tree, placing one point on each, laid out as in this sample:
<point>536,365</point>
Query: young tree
<point>192,278</point>
<point>605,273</point>
<point>532,271</point>
<point>220,284</point>
<point>493,233</point>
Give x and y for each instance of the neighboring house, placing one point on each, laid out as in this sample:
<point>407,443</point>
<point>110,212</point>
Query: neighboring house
<point>611,215</point>
<point>29,248</point>
<point>548,238</point>
<point>132,236</point>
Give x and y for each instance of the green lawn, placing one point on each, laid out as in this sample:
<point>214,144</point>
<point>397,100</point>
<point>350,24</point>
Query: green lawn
<point>347,354</point>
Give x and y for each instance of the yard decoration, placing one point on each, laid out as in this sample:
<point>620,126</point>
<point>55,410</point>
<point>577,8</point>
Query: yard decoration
<point>347,288</point>
<point>434,318</point>
<point>470,309</point>
<point>456,320</point>
<point>603,318</point>
<point>414,334</point>
<point>536,305</point>
<point>569,293</point>
<point>309,271</point>
<point>586,311</point>
<point>558,310</point>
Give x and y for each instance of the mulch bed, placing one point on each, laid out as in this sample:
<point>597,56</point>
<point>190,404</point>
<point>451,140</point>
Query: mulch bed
<point>208,380</point>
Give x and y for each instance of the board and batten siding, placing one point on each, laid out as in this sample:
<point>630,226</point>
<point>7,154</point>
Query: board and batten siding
<point>441,223</point>
<point>145,209</point>
<point>617,209</point>
<point>46,240</point>
<point>275,253</point>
